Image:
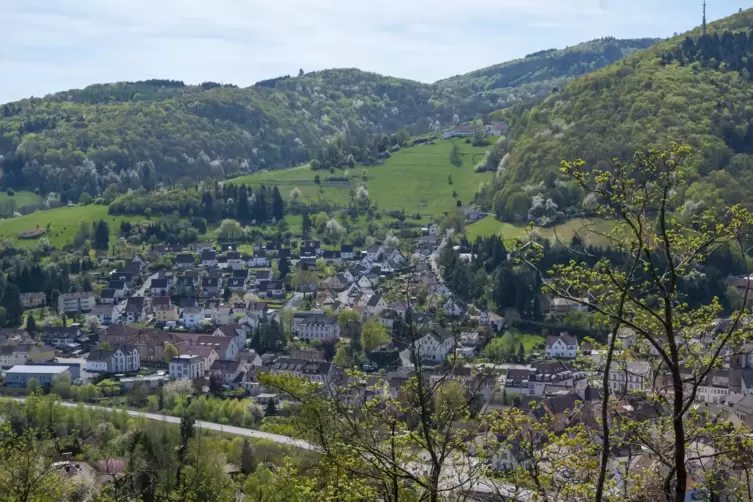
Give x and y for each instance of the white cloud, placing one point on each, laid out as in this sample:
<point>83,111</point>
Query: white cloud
<point>49,46</point>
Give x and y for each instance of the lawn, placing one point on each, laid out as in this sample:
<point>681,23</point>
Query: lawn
<point>588,229</point>
<point>22,199</point>
<point>64,223</point>
<point>414,179</point>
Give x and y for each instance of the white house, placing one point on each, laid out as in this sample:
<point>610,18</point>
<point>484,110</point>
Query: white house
<point>119,287</point>
<point>258,261</point>
<point>318,327</point>
<point>376,305</point>
<point>374,252</point>
<point>347,252</point>
<point>236,331</point>
<point>234,260</point>
<point>434,229</point>
<point>631,376</point>
<point>228,372</point>
<point>159,287</point>
<point>454,307</point>
<point>186,367</point>
<point>70,303</point>
<point>564,346</point>
<point>106,314</point>
<point>192,316</point>
<point>435,345</point>
<point>395,257</point>
<point>463,131</point>
<point>209,258</point>
<point>125,359</point>
<point>369,281</point>
<point>492,319</point>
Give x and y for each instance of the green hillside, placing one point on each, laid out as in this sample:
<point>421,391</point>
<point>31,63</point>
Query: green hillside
<point>414,179</point>
<point>694,89</point>
<point>538,73</point>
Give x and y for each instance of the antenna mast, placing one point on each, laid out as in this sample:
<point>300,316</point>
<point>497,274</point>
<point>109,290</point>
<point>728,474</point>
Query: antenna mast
<point>704,17</point>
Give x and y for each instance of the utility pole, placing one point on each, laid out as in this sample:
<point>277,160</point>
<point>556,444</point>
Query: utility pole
<point>704,17</point>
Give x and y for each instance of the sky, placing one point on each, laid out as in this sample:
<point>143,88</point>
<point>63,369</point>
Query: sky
<point>54,45</point>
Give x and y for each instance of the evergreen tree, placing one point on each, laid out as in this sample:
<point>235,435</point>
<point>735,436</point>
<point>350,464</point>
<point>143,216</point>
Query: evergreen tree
<point>521,353</point>
<point>260,206</point>
<point>247,458</point>
<point>12,303</point>
<point>271,408</point>
<point>101,235</point>
<point>244,208</point>
<point>226,294</point>
<point>278,206</point>
<point>283,267</point>
<point>306,223</point>
<point>31,323</point>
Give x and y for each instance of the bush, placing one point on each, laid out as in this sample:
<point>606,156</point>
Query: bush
<point>10,192</point>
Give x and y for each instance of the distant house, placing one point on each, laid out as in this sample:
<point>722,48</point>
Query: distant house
<point>227,372</point>
<point>314,245</point>
<point>187,367</point>
<point>122,275</point>
<point>347,252</point>
<point>236,284</point>
<point>159,287</point>
<point>234,260</point>
<point>495,128</point>
<point>209,258</point>
<point>165,312</point>
<point>463,131</point>
<point>435,345</point>
<point>263,276</point>
<point>492,319</point>
<point>376,305</point>
<point>122,359</point>
<point>120,287</point>
<point>210,286</point>
<point>19,376</point>
<point>135,309</point>
<point>563,306</point>
<point>331,257</point>
<point>434,229</point>
<point>71,303</point>
<point>33,300</point>
<point>201,246</point>
<point>226,347</point>
<point>107,296</point>
<point>12,355</point>
<point>564,346</point>
<point>56,336</point>
<point>314,371</point>
<point>192,316</point>
<point>232,330</point>
<point>184,260</point>
<point>258,261</point>
<point>454,307</point>
<point>107,314</point>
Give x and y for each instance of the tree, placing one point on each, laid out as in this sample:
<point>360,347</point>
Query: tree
<point>278,205</point>
<point>33,385</point>
<point>230,230</point>
<point>247,458</point>
<point>101,235</point>
<point>456,158</point>
<point>449,179</point>
<point>91,323</point>
<point>169,352</point>
<point>373,334</point>
<point>454,220</point>
<point>521,353</point>
<point>639,290</point>
<point>31,323</point>
<point>306,224</point>
<point>226,294</point>
<point>271,409</point>
<point>61,386</point>
<point>283,266</point>
<point>104,345</point>
<point>295,197</point>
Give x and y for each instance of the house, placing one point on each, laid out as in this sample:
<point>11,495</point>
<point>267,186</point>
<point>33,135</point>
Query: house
<point>192,316</point>
<point>184,260</point>
<point>562,306</point>
<point>557,411</point>
<point>630,376</point>
<point>33,300</point>
<point>107,297</point>
<point>241,274</point>
<point>19,376</point>
<point>564,346</point>
<point>122,359</point>
<point>141,262</point>
<point>159,287</point>
<point>227,372</point>
<point>545,375</point>
<point>186,367</point>
<point>236,284</point>
<point>435,345</point>
<point>133,268</point>
<point>338,282</point>
<point>12,355</point>
<point>210,286</point>
<point>434,229</point>
<point>455,307</point>
<point>316,327</point>
<point>258,261</point>
<point>314,245</point>
<point>236,331</point>
<point>492,319</point>
<point>394,257</point>
<point>234,260</point>
<point>163,249</point>
<point>200,247</point>
<point>368,281</point>
<point>165,312</point>
<point>120,287</point>
<point>314,371</point>
<point>209,258</point>
<point>263,276</point>
<point>226,347</point>
<point>307,252</point>
<point>56,336</point>
<point>272,289</point>
<point>374,252</point>
<point>41,353</point>
<point>209,354</point>
<point>223,315</point>
<point>14,336</point>
<point>107,314</point>
<point>347,252</point>
<point>376,305</point>
<point>149,342</point>
<point>495,128</point>
<point>743,409</point>
<point>332,257</point>
<point>135,309</point>
<point>250,358</point>
<point>72,303</point>
<point>122,275</point>
<point>463,131</point>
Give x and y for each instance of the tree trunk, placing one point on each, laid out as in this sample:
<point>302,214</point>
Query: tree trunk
<point>679,429</point>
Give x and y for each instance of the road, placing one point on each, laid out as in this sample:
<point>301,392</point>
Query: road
<point>140,292</point>
<point>239,431</point>
<point>291,304</point>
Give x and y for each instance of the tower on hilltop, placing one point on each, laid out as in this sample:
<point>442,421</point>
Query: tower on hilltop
<point>704,17</point>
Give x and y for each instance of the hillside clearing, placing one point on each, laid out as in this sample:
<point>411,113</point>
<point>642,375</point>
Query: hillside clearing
<point>415,179</point>
<point>588,229</point>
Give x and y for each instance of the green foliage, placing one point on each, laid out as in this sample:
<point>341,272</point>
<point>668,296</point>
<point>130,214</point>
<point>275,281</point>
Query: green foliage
<point>169,352</point>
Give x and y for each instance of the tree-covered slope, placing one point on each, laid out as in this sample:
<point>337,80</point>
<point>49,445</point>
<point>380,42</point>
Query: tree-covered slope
<point>540,72</point>
<point>145,132</point>
<point>694,89</point>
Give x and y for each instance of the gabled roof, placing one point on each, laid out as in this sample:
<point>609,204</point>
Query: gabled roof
<point>116,285</point>
<point>160,300</point>
<point>566,338</point>
<point>236,282</point>
<point>233,255</point>
<point>346,248</point>
<point>184,258</point>
<point>210,282</point>
<point>208,255</point>
<point>225,366</point>
<point>101,355</point>
<point>243,273</point>
<point>562,403</point>
<point>107,293</point>
<point>374,300</point>
<point>159,284</point>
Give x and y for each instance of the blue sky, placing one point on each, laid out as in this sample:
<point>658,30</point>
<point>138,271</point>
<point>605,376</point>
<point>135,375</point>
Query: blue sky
<point>53,45</point>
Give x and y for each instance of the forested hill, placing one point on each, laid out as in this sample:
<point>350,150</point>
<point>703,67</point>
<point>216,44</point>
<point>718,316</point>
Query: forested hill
<point>542,71</point>
<point>141,133</point>
<point>694,89</point>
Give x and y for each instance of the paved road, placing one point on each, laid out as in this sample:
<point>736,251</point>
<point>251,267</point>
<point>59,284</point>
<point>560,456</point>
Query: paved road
<point>240,431</point>
<point>291,304</point>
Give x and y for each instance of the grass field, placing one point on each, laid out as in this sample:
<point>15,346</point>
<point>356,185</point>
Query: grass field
<point>414,179</point>
<point>22,199</point>
<point>64,223</point>
<point>589,230</point>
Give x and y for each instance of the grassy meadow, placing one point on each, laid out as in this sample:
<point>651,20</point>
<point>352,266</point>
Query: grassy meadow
<point>414,179</point>
<point>588,229</point>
